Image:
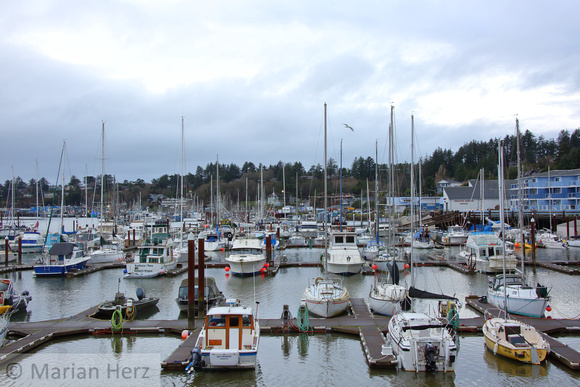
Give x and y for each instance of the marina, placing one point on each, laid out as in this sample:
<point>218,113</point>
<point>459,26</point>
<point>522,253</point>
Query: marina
<point>41,329</point>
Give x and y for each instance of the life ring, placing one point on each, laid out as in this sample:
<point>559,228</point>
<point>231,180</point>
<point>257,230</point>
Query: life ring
<point>317,280</point>
<point>6,281</point>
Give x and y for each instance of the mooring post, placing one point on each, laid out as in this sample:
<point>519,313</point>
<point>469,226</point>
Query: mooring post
<point>190,284</point>
<point>19,250</point>
<point>533,241</point>
<point>201,277</point>
<point>6,251</point>
<point>269,248</point>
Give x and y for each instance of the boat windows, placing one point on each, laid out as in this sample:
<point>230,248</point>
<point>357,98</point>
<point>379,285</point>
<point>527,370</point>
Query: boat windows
<point>217,321</point>
<point>234,321</point>
<point>350,239</point>
<point>338,239</point>
<point>246,321</point>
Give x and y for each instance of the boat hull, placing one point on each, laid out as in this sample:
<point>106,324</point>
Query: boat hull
<point>60,270</point>
<point>522,353</point>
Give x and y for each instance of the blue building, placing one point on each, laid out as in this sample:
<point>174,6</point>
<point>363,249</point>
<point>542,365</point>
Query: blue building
<point>554,191</point>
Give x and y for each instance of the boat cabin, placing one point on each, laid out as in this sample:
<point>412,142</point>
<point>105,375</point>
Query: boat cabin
<point>229,328</point>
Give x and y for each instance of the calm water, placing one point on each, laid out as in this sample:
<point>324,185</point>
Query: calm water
<point>321,359</point>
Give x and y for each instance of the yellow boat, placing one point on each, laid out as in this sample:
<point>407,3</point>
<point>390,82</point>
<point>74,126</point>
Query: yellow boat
<point>515,340</point>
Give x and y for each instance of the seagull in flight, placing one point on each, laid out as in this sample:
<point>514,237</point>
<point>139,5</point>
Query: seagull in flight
<point>349,127</point>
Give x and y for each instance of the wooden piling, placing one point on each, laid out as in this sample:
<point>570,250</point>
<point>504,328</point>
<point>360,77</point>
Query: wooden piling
<point>201,273</point>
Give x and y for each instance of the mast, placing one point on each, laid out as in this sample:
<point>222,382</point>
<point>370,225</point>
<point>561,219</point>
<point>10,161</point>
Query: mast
<point>181,178</point>
<point>390,246</point>
<point>550,197</point>
<point>501,219</point>
<point>520,196</point>
<point>284,184</point>
<point>481,193</point>
<point>102,176</point>
<point>325,197</point>
<point>62,189</point>
<point>412,192</point>
<point>217,190</point>
<point>340,222</point>
<point>376,191</point>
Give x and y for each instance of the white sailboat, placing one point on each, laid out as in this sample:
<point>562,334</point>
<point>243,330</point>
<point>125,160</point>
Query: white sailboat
<point>107,252</point>
<point>325,297</point>
<point>507,337</point>
<point>522,299</point>
<point>422,343</point>
<point>386,295</point>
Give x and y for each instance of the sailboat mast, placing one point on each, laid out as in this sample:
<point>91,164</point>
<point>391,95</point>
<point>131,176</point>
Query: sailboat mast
<point>376,191</point>
<point>391,183</point>
<point>325,195</point>
<point>340,222</point>
<point>550,197</point>
<point>501,217</point>
<point>181,172</point>
<point>412,191</point>
<point>102,174</point>
<point>62,189</point>
<point>520,196</point>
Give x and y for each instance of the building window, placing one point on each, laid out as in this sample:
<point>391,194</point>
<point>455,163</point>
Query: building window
<point>556,179</point>
<point>557,190</point>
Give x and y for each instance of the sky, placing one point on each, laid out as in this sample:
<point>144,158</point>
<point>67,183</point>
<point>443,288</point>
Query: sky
<point>250,79</point>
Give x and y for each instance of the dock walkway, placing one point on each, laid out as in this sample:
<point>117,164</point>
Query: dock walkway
<point>558,350</point>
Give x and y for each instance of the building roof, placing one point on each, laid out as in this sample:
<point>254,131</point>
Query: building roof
<point>490,190</point>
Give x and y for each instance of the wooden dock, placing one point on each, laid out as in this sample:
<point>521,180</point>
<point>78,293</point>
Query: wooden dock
<point>558,350</point>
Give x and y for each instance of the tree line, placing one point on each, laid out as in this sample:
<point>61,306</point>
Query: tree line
<point>537,154</point>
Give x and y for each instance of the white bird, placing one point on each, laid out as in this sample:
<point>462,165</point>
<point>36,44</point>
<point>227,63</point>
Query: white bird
<point>349,127</point>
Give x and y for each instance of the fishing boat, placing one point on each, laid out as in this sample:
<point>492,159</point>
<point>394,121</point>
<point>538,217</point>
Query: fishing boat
<point>421,342</point>
<point>507,337</point>
<point>246,256</point>
<point>326,297</point>
<point>152,261</point>
<point>62,258</point>
<point>212,295</point>
<point>343,256</point>
<point>229,338</point>
<point>129,307</point>
<point>484,250</point>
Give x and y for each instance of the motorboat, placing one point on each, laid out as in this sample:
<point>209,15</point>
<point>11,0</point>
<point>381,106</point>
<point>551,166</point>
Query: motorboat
<point>455,236</point>
<point>246,256</point>
<point>152,261</point>
<point>229,339</point>
<point>213,296</point>
<point>62,258</point>
<point>32,242</point>
<point>129,307</point>
<point>343,256</point>
<point>10,300</point>
<point>484,250</point>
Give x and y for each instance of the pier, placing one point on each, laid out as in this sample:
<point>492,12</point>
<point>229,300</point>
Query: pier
<point>370,328</point>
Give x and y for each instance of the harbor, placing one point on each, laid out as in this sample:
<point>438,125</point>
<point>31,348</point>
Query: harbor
<point>64,324</point>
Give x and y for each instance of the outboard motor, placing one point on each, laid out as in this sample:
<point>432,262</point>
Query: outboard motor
<point>196,361</point>
<point>140,293</point>
<point>430,353</point>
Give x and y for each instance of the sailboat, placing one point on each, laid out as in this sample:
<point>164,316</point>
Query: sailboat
<point>421,343</point>
<point>107,252</point>
<point>507,337</point>
<point>386,297</point>
<point>522,299</point>
<point>325,297</point>
<point>62,257</point>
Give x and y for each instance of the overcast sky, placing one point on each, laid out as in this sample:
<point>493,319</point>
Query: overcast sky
<point>250,79</point>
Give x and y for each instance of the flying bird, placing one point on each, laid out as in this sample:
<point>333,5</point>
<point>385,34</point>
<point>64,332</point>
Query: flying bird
<point>349,127</point>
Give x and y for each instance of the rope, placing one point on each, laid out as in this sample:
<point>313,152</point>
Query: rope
<point>302,319</point>
<point>117,320</point>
